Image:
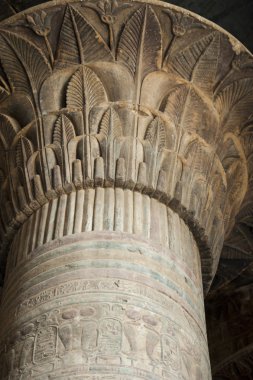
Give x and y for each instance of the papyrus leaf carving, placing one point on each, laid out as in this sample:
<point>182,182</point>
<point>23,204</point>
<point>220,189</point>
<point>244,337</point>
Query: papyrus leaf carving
<point>79,42</point>
<point>110,129</point>
<point>25,65</point>
<point>140,43</point>
<point>110,126</point>
<point>182,107</point>
<point>64,132</point>
<point>178,108</point>
<point>175,103</point>
<point>234,103</point>
<point>196,155</point>
<point>85,91</point>
<point>192,62</point>
<point>24,151</point>
<point>26,68</point>
<point>140,50</point>
<point>156,134</point>
<point>8,130</point>
<point>203,78</point>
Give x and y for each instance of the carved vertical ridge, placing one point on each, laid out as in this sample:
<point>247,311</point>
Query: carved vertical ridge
<point>99,209</point>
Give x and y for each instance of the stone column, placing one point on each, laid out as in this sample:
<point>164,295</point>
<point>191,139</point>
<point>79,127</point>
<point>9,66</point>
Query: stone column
<point>122,170</point>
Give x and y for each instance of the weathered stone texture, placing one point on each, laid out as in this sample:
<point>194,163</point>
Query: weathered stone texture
<point>123,165</point>
<point>109,303</point>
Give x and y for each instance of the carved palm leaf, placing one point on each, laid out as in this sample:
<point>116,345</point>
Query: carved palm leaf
<point>234,103</point>
<point>25,65</point>
<point>140,50</point>
<point>63,133</point>
<point>31,164</point>
<point>24,151</point>
<point>236,172</point>
<point>8,130</point>
<point>85,91</point>
<point>176,102</point>
<point>198,62</point>
<point>26,68</point>
<point>197,156</point>
<point>4,86</point>
<point>156,135</point>
<point>140,45</point>
<point>79,41</point>
<point>183,106</point>
<point>179,110</point>
<point>110,128</point>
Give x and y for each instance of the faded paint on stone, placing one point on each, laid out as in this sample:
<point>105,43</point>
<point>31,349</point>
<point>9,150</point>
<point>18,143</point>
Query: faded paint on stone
<point>119,183</point>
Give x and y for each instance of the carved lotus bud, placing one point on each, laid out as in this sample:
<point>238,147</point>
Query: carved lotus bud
<point>39,23</point>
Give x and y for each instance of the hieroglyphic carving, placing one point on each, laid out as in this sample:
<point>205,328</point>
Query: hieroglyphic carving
<point>170,355</point>
<point>98,334</point>
<point>85,331</point>
<point>45,344</point>
<point>81,286</point>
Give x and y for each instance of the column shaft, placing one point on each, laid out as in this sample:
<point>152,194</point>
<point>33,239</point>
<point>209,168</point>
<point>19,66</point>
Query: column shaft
<point>121,301</point>
<point>123,163</point>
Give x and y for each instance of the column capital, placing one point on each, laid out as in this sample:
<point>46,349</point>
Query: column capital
<point>139,95</point>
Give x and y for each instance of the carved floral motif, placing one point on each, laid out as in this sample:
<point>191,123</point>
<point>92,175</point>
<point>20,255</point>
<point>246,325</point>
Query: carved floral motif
<point>131,106</point>
<point>173,134</point>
